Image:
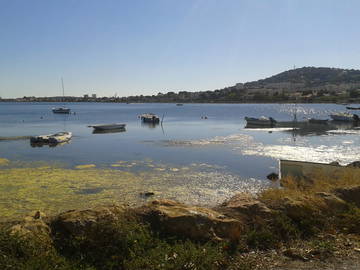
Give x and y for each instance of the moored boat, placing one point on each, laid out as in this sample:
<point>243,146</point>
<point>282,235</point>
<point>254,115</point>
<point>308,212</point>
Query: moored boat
<point>107,131</point>
<point>149,118</point>
<point>52,138</point>
<point>61,110</point>
<point>346,117</point>
<point>40,139</point>
<point>108,126</point>
<point>353,108</point>
<point>262,121</point>
<point>60,137</point>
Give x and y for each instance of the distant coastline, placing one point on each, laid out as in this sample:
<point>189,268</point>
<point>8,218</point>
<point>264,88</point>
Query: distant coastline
<point>302,85</point>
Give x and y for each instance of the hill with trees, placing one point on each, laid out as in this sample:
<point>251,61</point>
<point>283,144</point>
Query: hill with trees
<point>307,84</point>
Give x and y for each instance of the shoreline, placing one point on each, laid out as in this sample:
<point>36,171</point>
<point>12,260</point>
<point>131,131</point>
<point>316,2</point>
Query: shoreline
<point>278,229</point>
<point>340,102</point>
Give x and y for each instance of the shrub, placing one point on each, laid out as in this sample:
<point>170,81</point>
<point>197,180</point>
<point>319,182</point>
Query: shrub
<point>128,244</point>
<point>323,249</point>
<point>350,220</point>
<point>19,253</point>
<point>261,239</point>
<point>284,228</point>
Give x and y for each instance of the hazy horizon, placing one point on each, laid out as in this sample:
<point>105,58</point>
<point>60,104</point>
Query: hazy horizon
<point>145,47</point>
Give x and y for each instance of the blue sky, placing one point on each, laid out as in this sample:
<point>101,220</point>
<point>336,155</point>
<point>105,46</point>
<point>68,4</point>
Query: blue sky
<point>148,46</point>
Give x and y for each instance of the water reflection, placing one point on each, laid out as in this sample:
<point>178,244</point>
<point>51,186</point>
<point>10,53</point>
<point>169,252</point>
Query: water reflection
<point>41,144</point>
<point>150,125</point>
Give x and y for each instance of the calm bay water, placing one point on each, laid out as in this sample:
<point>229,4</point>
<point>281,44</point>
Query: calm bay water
<point>183,138</point>
<point>220,146</point>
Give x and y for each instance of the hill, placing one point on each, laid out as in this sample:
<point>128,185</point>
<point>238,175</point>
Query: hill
<point>307,84</point>
<point>312,76</point>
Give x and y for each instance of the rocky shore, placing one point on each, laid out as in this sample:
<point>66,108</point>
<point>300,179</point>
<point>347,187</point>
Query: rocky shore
<point>291,228</point>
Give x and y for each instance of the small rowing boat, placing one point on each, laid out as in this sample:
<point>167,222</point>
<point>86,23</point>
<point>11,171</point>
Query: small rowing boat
<point>102,127</point>
<point>56,138</point>
<point>262,121</point>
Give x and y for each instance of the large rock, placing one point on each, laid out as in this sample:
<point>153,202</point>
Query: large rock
<point>244,206</point>
<point>332,202</point>
<point>295,208</point>
<point>80,222</point>
<point>349,194</point>
<point>197,223</point>
<point>355,164</point>
<point>33,226</point>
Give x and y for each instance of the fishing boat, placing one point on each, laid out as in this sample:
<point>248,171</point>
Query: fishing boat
<point>261,122</point>
<point>62,109</point>
<point>52,138</point>
<point>102,127</point>
<point>149,118</point>
<point>346,117</point>
<point>179,104</point>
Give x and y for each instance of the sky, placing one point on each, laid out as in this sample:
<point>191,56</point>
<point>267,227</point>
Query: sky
<point>133,47</point>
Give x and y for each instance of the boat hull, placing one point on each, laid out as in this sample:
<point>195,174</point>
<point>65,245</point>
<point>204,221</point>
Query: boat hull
<point>61,110</point>
<point>150,118</point>
<point>353,108</point>
<point>51,138</point>
<point>344,118</point>
<point>60,137</point>
<point>108,127</point>
<point>257,122</point>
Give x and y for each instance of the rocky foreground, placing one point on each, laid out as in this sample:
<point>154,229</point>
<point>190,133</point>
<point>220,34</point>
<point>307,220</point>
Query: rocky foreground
<point>293,228</point>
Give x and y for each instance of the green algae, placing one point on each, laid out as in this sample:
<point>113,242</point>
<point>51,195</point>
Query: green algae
<point>52,189</point>
<point>85,166</point>
<point>4,162</point>
<point>57,188</point>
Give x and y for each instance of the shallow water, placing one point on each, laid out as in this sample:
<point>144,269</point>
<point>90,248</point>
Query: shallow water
<point>194,160</point>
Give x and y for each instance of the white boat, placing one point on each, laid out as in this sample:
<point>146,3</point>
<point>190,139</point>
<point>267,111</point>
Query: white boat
<point>108,126</point>
<point>150,118</point>
<point>52,138</point>
<point>348,117</point>
<point>62,109</point>
<point>60,137</point>
<point>262,121</point>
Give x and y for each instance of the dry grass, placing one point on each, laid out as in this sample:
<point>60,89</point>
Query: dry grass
<point>296,189</point>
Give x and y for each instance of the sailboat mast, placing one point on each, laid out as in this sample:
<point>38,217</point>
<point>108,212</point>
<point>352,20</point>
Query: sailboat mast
<point>62,85</point>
